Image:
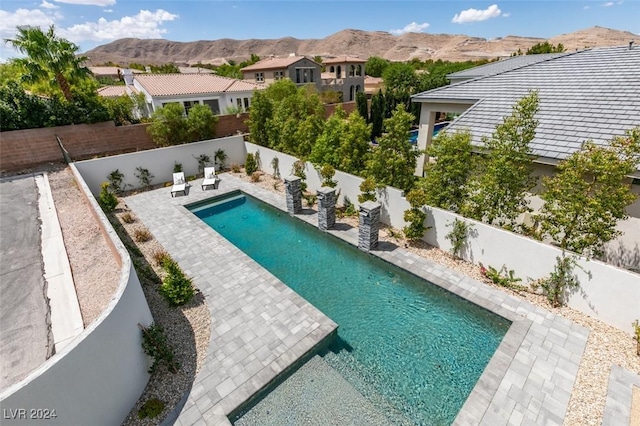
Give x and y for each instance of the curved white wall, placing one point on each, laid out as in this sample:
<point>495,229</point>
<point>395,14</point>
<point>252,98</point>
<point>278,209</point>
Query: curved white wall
<point>100,375</point>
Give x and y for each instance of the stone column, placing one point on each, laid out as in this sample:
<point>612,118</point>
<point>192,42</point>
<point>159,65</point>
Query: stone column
<point>293,189</point>
<point>369,225</point>
<point>326,208</point>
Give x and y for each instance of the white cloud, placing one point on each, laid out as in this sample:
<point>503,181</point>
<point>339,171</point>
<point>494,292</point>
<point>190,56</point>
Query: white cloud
<point>413,27</point>
<point>506,15</point>
<point>46,5</point>
<point>89,2</point>
<point>145,24</point>
<point>587,7</point>
<point>107,10</point>
<point>608,4</point>
<point>31,17</point>
<point>475,15</point>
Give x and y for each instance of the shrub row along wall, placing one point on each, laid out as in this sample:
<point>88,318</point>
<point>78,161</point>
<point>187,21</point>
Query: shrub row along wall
<point>159,162</point>
<point>100,375</point>
<point>606,292</point>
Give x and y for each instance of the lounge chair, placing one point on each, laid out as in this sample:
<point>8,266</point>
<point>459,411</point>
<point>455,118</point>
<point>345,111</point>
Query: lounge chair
<point>210,177</point>
<point>179,184</point>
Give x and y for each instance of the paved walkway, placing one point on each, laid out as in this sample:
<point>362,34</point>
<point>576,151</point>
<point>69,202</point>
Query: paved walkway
<point>260,327</point>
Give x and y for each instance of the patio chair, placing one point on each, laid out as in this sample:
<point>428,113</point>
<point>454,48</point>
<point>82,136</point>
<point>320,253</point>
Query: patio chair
<point>179,184</point>
<point>210,177</point>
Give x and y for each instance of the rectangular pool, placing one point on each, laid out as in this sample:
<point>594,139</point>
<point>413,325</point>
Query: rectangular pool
<point>415,350</point>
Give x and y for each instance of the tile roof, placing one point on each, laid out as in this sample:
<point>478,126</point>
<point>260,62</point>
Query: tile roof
<point>188,84</point>
<point>503,65</point>
<point>102,71</point>
<point>591,94</point>
<point>274,63</point>
<point>344,58</point>
<point>112,91</point>
<point>195,70</point>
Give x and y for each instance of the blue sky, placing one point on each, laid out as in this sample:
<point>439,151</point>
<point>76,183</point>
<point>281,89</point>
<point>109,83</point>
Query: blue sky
<point>89,23</point>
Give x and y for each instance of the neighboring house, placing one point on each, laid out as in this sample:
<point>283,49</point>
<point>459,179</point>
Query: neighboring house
<point>195,70</point>
<point>299,69</point>
<point>112,91</point>
<point>218,93</point>
<point>372,85</point>
<point>106,73</point>
<point>498,67</point>
<point>592,94</point>
<point>344,74</point>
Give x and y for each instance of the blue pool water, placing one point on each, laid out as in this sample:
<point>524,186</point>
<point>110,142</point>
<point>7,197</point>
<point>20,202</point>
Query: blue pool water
<point>401,340</point>
<point>413,134</point>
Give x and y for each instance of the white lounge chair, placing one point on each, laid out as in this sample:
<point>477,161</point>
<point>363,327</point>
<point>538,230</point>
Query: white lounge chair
<point>179,184</point>
<point>210,177</point>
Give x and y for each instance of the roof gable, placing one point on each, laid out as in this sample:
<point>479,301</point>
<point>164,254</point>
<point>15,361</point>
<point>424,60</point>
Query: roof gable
<point>276,63</point>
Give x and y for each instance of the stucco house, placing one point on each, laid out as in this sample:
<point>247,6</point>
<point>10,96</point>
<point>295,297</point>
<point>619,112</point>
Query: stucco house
<point>344,74</point>
<point>592,94</point>
<point>218,93</point>
<point>299,69</point>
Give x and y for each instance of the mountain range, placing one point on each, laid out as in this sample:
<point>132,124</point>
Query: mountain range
<point>352,42</point>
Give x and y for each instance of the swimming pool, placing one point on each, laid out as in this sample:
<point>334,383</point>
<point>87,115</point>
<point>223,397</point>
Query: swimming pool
<point>413,134</point>
<point>401,339</point>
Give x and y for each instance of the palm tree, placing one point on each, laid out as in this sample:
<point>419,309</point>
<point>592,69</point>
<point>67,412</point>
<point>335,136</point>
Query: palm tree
<point>48,58</point>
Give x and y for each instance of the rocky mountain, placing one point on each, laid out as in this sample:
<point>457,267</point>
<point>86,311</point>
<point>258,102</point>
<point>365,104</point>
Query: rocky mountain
<point>352,42</point>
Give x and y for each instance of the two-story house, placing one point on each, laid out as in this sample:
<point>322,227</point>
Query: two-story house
<point>344,74</point>
<point>299,69</point>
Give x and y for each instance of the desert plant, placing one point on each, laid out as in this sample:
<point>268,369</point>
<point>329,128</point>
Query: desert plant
<point>154,344</point>
<point>203,161</point>
<point>161,257</point>
<point>560,280</point>
<point>349,208</point>
<point>219,158</point>
<point>275,165</point>
<point>144,176</point>
<point>176,287</point>
<point>115,181</point>
<point>142,235</point>
<point>235,168</point>
<point>310,199</point>
<point>368,189</point>
<point>458,235</point>
<point>107,199</point>
<point>151,409</point>
<point>250,164</point>
<point>177,167</point>
<point>128,218</point>
<point>255,176</point>
<point>502,277</point>
<point>327,172</point>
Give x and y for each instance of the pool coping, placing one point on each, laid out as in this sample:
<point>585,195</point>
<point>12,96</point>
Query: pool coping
<point>528,380</point>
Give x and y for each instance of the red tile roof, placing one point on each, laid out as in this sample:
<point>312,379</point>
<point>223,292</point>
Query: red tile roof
<point>188,84</point>
<point>112,91</point>
<point>344,59</point>
<point>274,63</point>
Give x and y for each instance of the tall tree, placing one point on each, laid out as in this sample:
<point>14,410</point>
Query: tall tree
<point>325,150</point>
<point>354,146</point>
<point>49,57</point>
<point>375,66</point>
<point>168,126</point>
<point>201,123</point>
<point>498,193</point>
<point>362,105</point>
<point>587,197</point>
<point>400,82</point>
<point>377,114</point>
<point>393,161</point>
<point>445,183</point>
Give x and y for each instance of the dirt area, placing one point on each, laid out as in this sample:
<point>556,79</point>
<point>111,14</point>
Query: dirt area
<point>635,407</point>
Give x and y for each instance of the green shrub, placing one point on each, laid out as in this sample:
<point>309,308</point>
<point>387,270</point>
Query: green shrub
<point>250,164</point>
<point>368,189</point>
<point>151,409</point>
<point>144,176</point>
<point>328,172</point>
<point>115,181</point>
<point>107,199</point>
<point>458,235</point>
<point>154,344</point>
<point>176,287</point>
<point>415,216</point>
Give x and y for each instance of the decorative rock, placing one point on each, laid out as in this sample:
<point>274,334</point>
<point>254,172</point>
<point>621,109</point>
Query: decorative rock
<point>326,208</point>
<point>369,225</point>
<point>293,189</point>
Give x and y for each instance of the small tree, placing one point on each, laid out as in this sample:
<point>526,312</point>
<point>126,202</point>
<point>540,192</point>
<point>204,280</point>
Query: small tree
<point>415,216</point>
<point>445,183</point>
<point>219,158</point>
<point>393,162</point>
<point>144,176</point>
<point>168,126</point>
<point>203,161</point>
<point>498,193</point>
<point>298,170</point>
<point>328,172</point>
<point>368,190</point>
<point>250,164</point>
<point>201,123</point>
<point>588,196</point>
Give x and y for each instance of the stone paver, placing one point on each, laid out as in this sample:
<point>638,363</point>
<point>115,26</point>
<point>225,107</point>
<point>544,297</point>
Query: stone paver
<point>617,410</point>
<point>256,332</point>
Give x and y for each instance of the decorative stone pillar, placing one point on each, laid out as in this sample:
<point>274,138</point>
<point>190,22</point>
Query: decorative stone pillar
<point>293,189</point>
<point>369,225</point>
<point>326,208</point>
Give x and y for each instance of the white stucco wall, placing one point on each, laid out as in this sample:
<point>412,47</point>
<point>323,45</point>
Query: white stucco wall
<point>160,161</point>
<point>606,292</point>
<point>98,377</point>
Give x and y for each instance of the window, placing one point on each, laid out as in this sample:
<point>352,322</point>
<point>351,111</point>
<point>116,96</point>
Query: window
<point>332,69</point>
<point>188,105</point>
<point>298,75</point>
<point>259,77</point>
<point>359,70</point>
<point>352,71</point>
<point>311,79</point>
<point>246,104</point>
<point>214,105</point>
<point>278,75</point>
<point>239,103</point>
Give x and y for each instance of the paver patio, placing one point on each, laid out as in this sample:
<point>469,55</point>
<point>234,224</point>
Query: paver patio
<point>260,327</point>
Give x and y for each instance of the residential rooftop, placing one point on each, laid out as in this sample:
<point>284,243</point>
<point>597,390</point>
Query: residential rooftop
<point>187,84</point>
<point>503,65</point>
<point>274,63</point>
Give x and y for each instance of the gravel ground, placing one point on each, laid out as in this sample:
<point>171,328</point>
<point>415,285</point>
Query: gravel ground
<point>606,345</point>
<point>94,267</point>
<point>188,328</point>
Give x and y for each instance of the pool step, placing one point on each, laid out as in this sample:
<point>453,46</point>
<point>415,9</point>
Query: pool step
<point>315,394</point>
